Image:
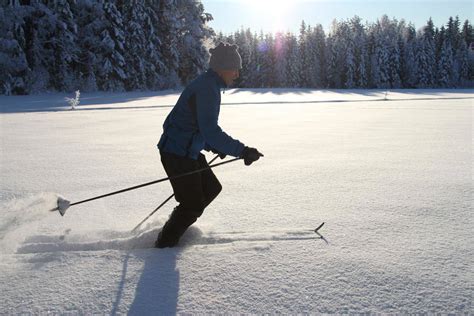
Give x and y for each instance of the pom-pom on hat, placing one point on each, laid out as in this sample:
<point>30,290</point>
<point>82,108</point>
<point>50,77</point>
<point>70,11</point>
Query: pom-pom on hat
<point>225,57</point>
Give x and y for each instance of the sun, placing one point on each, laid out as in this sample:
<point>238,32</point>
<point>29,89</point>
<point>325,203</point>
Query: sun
<point>274,11</point>
<point>271,7</point>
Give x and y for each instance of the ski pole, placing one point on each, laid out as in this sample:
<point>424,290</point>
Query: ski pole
<point>64,204</point>
<point>165,201</point>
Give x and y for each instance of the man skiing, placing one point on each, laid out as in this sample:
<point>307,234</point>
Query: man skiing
<point>190,127</point>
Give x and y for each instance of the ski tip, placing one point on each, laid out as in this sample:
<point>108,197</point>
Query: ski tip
<point>318,228</point>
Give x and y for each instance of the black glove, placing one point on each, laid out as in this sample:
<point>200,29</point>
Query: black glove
<point>250,155</point>
<point>221,155</point>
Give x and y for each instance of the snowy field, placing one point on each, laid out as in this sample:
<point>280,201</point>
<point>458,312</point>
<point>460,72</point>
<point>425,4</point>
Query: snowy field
<point>391,179</point>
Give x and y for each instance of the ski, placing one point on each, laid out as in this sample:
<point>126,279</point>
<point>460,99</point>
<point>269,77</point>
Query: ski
<point>318,228</point>
<point>44,243</point>
<point>321,236</point>
<point>222,238</point>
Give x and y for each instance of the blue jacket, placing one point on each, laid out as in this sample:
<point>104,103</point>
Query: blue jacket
<point>192,125</point>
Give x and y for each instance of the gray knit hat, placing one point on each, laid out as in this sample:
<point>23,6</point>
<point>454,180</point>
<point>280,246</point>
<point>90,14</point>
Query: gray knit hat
<point>225,57</point>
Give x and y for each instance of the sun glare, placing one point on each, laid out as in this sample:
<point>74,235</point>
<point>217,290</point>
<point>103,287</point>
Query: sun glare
<point>271,7</point>
<point>274,10</point>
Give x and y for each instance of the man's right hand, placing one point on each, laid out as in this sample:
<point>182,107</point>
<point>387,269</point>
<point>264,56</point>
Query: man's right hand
<point>250,155</point>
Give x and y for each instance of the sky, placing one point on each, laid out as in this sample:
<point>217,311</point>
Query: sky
<point>284,15</point>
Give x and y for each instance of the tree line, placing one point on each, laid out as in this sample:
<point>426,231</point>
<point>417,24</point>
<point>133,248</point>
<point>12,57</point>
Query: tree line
<point>385,54</point>
<point>126,45</point>
<point>65,45</point>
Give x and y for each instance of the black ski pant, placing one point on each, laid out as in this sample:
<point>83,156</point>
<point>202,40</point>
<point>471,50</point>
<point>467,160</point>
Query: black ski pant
<point>193,192</point>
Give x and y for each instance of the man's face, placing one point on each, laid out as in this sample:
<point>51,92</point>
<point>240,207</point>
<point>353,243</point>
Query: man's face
<point>229,76</point>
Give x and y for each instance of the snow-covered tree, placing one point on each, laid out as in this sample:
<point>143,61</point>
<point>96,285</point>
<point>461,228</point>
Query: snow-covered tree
<point>242,40</point>
<point>39,47</point>
<point>135,17</point>
<point>293,64</point>
<point>259,53</point>
<point>439,39</point>
<point>445,65</point>
<point>336,52</point>
<point>351,68</point>
<point>360,51</point>
<point>119,45</point>
<point>154,60</point>
<point>408,70</point>
<point>280,50</point>
<point>269,48</point>
<point>170,23</point>
<point>89,16</point>
<point>13,63</point>
<point>254,60</point>
<point>385,54</point>
<point>194,38</point>
<point>425,57</point>
<point>304,60</point>
<point>453,32</point>
<point>63,39</point>
<point>461,64</point>
<point>112,48</point>
<point>316,48</point>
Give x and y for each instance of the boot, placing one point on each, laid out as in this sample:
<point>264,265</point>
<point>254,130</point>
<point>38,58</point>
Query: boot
<point>163,243</point>
<point>173,229</point>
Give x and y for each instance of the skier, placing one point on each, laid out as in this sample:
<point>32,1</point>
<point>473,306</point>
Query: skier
<point>190,127</point>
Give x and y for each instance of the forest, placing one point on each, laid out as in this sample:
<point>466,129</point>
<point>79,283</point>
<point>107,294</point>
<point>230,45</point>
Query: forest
<point>95,45</point>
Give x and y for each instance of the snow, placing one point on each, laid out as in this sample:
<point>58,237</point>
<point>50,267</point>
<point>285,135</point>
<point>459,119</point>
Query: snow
<point>392,180</point>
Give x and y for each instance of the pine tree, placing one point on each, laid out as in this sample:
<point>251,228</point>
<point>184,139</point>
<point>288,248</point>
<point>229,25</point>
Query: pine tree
<point>380,53</point>
<point>250,78</point>
<point>303,55</point>
<point>89,16</point>
<point>395,66</point>
<point>219,38</point>
<point>468,36</point>
<point>293,66</point>
<point>361,56</point>
<point>244,43</point>
<point>337,55</point>
<point>332,62</point>
<point>193,55</point>
<point>453,32</point>
<point>112,45</point>
<point>429,28</point>
<point>425,58</point>
<point>461,65</point>
<point>13,63</point>
<point>440,38</point>
<point>269,49</point>
<point>134,15</point>
<point>280,51</point>
<point>170,22</point>
<point>259,51</point>
<point>445,65</point>
<point>467,32</point>
<point>63,35</point>
<point>351,67</point>
<point>316,47</point>
<point>154,59</point>
<point>408,72</point>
